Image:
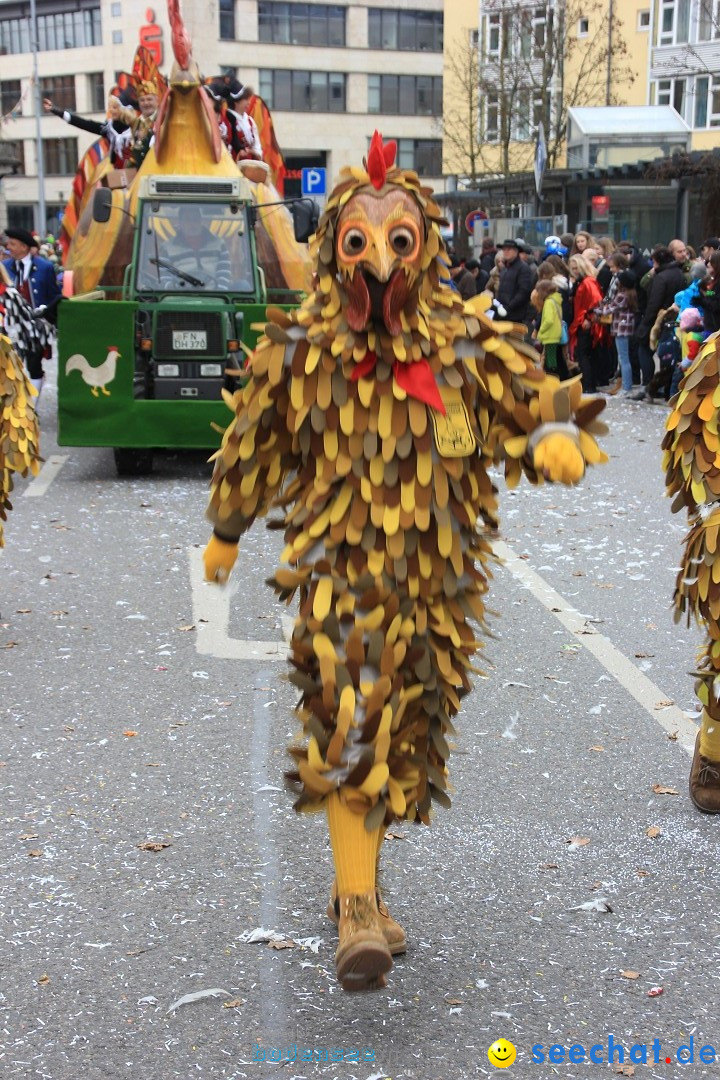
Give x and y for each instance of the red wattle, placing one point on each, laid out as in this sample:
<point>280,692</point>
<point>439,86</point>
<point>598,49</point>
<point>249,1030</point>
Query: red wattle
<point>358,309</point>
<point>394,300</point>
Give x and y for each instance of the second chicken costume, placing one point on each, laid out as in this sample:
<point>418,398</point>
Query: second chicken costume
<point>692,463</point>
<point>372,414</point>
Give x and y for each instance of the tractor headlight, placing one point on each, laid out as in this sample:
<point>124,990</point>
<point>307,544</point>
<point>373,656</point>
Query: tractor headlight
<point>211,370</point>
<point>168,371</point>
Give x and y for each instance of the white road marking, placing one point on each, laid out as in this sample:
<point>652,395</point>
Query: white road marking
<point>645,692</point>
<point>45,477</point>
<point>211,615</point>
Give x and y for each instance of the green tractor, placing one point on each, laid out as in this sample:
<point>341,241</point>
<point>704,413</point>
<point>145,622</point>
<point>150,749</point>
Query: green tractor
<point>143,366</point>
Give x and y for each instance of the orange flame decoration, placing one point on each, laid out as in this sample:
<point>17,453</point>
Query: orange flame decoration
<point>272,153</point>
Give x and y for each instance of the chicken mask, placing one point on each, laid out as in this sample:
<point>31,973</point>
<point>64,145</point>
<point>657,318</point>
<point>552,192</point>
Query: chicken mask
<point>379,252</point>
<point>378,243</point>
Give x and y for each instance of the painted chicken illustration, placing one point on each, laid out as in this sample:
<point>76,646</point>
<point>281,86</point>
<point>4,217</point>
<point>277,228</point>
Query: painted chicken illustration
<point>371,416</point>
<point>97,378</point>
<point>18,425</point>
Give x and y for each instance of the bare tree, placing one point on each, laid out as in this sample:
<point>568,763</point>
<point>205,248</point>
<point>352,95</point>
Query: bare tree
<point>530,65</point>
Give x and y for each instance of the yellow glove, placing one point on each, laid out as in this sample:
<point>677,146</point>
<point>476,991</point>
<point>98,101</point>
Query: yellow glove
<point>219,558</point>
<point>559,458</point>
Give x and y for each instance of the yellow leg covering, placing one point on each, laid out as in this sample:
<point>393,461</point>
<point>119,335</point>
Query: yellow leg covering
<point>710,735</point>
<point>355,850</point>
<point>707,691</point>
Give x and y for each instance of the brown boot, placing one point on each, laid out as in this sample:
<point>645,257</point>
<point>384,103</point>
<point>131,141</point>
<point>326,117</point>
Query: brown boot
<point>392,931</point>
<point>362,957</point>
<point>705,782</point>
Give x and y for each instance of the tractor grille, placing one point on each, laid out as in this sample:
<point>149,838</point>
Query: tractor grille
<point>169,322</point>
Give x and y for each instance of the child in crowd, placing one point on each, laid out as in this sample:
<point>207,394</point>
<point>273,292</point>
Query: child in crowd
<point>546,299</point>
<point>691,333</point>
<point>623,310</point>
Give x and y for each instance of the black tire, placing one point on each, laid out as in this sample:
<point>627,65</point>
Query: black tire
<point>133,462</point>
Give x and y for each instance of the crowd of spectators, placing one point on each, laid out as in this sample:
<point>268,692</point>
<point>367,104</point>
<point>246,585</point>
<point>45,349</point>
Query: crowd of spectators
<point>627,321</point>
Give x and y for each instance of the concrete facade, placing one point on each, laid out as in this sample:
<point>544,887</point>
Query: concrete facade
<point>333,139</point>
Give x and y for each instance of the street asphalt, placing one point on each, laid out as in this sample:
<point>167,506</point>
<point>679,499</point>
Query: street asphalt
<point>146,833</point>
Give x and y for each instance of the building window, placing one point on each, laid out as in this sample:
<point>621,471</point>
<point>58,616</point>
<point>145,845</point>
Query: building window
<point>643,20</point>
<point>12,155</point>
<point>673,92</point>
<point>583,27</point>
<point>492,117</point>
<point>227,20</point>
<point>493,35</point>
<point>422,155</point>
<point>700,118</point>
<point>301,24</point>
<point>61,91</point>
<point>303,91</point>
<point>116,10</point>
<point>714,104</point>
<point>417,31</point>
<point>709,20</point>
<point>406,95</point>
<point>674,27</point>
<point>474,36</point>
<point>96,92</point>
<point>63,30</point>
<point>117,37</point>
<point>21,216</point>
<point>61,156</point>
<point>10,97</point>
<point>526,115</point>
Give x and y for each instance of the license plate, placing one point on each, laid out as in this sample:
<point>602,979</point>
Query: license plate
<point>190,340</point>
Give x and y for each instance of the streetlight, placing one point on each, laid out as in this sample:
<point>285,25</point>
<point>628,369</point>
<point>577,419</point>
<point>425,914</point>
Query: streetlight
<point>42,228</point>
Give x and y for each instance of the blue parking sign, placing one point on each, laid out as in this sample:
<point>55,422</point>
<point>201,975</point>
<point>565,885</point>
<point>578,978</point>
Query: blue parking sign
<point>313,181</point>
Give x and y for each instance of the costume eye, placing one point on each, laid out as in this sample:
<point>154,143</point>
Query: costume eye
<point>354,242</point>
<point>402,240</point>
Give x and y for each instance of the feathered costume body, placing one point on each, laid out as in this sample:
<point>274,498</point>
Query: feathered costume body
<point>692,463</point>
<point>372,415</point>
<point>18,425</point>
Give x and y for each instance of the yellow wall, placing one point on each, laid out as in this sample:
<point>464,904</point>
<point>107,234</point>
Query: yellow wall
<point>460,18</point>
<point>462,15</point>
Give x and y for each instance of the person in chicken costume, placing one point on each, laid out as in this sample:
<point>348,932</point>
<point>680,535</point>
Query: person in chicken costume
<point>372,414</point>
<point>692,462</point>
<point>18,425</point>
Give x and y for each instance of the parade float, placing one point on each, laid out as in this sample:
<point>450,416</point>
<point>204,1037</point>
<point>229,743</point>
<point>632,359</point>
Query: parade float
<point>169,271</point>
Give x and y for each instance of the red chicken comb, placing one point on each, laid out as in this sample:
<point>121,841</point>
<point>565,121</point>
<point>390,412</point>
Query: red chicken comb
<point>380,158</point>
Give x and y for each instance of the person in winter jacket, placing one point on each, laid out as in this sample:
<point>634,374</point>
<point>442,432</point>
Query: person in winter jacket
<point>666,279</point>
<point>116,128</point>
<point>515,283</point>
<point>547,300</point>
<point>707,298</point>
<point>622,307</point>
<point>585,332</point>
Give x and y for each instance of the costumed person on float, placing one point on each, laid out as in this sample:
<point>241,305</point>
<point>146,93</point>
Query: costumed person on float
<point>220,90</point>
<point>19,439</point>
<point>117,128</point>
<point>28,322</point>
<point>372,415</point>
<point>251,147</point>
<point>692,462</point>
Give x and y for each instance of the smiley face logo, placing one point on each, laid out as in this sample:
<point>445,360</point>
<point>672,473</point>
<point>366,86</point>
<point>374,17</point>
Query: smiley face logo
<point>502,1054</point>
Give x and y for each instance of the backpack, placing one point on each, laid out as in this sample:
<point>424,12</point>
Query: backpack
<point>564,336</point>
<point>669,350</point>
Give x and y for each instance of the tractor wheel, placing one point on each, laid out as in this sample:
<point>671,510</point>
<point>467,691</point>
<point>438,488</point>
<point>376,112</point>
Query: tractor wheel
<point>133,462</point>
